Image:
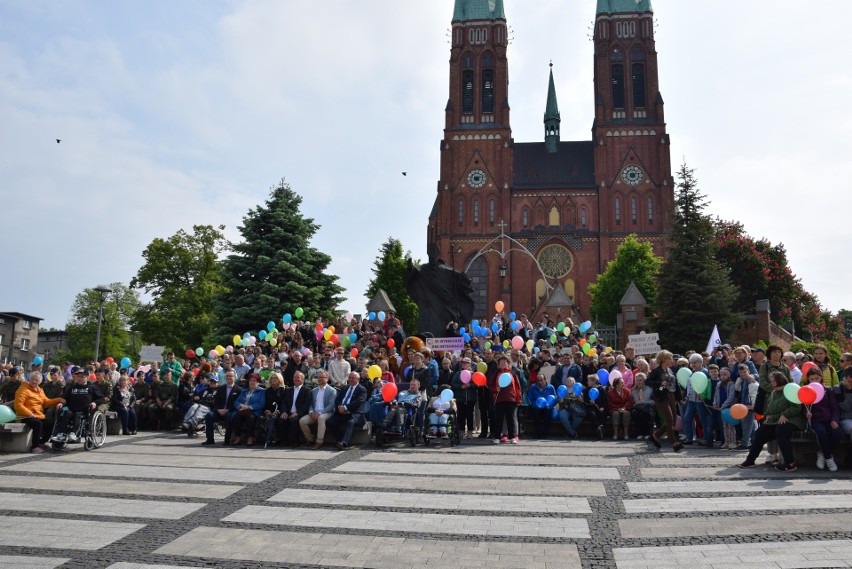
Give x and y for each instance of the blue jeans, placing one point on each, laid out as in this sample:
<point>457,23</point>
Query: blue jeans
<point>690,410</point>
<point>748,429</point>
<point>571,421</point>
<point>827,437</point>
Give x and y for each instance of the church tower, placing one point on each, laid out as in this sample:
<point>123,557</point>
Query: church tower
<point>632,162</point>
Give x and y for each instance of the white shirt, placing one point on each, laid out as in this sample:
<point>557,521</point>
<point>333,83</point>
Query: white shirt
<point>320,405</point>
<point>295,396</point>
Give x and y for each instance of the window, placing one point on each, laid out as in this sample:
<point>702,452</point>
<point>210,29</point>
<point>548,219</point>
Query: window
<point>1,339</point>
<point>650,210</point>
<point>633,213</point>
<point>25,344</point>
<point>491,212</point>
<point>487,91</point>
<point>638,85</point>
<point>625,29</point>
<point>468,61</point>
<point>476,212</point>
<point>461,212</point>
<point>618,86</point>
<point>478,273</point>
<point>525,217</point>
<point>583,220</point>
<point>27,324</point>
<point>487,60</point>
<point>618,211</point>
<point>467,92</point>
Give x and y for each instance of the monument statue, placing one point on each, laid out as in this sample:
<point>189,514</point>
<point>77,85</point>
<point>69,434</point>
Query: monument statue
<point>443,294</point>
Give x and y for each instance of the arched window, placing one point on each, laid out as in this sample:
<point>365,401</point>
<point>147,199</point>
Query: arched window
<point>553,218</point>
<point>633,213</point>
<point>583,217</point>
<point>618,86</point>
<point>525,218</point>
<point>478,273</point>
<point>491,211</point>
<point>467,92</point>
<point>650,210</point>
<point>639,85</point>
<point>461,212</point>
<point>468,62</point>
<point>618,211</point>
<point>476,212</point>
<point>488,91</point>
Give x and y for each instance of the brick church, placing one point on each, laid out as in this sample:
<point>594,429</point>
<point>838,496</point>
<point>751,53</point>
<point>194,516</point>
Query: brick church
<point>526,219</point>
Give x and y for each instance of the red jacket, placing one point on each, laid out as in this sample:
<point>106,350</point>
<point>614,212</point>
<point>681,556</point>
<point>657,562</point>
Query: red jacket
<point>615,402</point>
<point>510,394</point>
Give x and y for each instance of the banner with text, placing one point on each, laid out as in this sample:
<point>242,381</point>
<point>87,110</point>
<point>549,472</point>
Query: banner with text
<point>151,353</point>
<point>644,344</point>
<point>445,344</point>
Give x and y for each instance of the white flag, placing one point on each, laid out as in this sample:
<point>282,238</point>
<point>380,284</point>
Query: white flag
<point>715,341</point>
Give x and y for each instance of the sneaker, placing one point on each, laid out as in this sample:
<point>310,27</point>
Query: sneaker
<point>468,435</point>
<point>516,440</point>
<point>747,465</point>
<point>37,450</point>
<point>832,466</point>
<point>821,460</point>
<point>689,442</point>
<point>60,438</point>
<point>208,442</point>
<point>772,460</point>
<point>73,438</point>
<point>504,439</point>
<point>740,447</point>
<point>615,437</point>
<point>786,467</point>
<point>496,441</point>
<point>600,432</point>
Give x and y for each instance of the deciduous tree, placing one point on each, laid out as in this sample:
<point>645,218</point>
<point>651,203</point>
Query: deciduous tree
<point>634,262</point>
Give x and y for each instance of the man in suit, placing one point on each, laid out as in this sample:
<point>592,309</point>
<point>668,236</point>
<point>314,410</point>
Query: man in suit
<point>322,407</point>
<point>295,404</point>
<point>223,408</point>
<point>348,410</point>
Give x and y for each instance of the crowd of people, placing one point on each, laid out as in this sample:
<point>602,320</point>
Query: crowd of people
<point>296,386</point>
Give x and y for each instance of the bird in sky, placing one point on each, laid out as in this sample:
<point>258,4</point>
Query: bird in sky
<point>405,173</point>
<point>58,140</point>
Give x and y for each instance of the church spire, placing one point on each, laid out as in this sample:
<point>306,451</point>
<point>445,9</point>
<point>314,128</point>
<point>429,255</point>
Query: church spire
<point>478,10</point>
<point>552,119</point>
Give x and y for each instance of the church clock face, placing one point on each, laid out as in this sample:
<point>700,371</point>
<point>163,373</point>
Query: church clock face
<point>555,261</point>
<point>632,175</point>
<point>476,178</point>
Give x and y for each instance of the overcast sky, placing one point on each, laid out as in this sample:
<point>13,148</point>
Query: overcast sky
<point>180,113</point>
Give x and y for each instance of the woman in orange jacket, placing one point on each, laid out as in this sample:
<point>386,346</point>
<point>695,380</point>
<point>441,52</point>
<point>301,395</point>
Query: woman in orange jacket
<point>30,402</point>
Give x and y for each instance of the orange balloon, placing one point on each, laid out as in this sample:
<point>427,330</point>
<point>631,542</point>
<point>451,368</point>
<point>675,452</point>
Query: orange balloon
<point>582,342</point>
<point>739,411</point>
<point>499,306</point>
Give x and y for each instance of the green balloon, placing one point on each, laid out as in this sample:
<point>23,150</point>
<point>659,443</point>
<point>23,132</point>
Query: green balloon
<point>560,326</point>
<point>699,381</point>
<point>683,375</point>
<point>553,339</point>
<point>487,345</point>
<point>7,414</point>
<point>199,352</point>
<point>791,392</point>
<point>299,312</point>
<point>593,338</point>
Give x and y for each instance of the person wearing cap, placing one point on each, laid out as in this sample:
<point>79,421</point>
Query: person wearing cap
<point>758,356</point>
<point>10,386</point>
<point>30,402</point>
<point>80,396</point>
<point>162,403</point>
<point>465,396</point>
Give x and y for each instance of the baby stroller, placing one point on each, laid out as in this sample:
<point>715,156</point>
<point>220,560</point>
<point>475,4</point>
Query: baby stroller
<point>411,427</point>
<point>88,427</point>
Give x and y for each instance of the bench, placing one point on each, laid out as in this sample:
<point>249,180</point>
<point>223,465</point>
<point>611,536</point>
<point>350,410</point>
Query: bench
<point>113,422</point>
<point>15,437</point>
<point>805,449</point>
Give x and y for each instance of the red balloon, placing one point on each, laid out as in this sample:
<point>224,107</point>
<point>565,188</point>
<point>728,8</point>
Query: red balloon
<point>354,352</point>
<point>92,377</point>
<point>190,354</point>
<point>479,378</point>
<point>391,343</point>
<point>318,327</point>
<point>110,359</point>
<point>389,391</point>
<point>195,371</point>
<point>334,339</point>
<point>807,395</point>
<point>806,367</point>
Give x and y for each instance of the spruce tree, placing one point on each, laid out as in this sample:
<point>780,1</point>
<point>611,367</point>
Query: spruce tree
<point>634,262</point>
<point>389,275</point>
<point>694,292</point>
<point>274,270</point>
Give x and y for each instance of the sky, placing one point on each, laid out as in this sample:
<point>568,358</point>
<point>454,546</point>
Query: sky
<point>173,114</point>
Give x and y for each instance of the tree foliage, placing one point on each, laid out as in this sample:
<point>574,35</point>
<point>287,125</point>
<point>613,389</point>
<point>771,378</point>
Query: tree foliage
<point>183,275</point>
<point>694,292</point>
<point>274,269</point>
<point>846,317</point>
<point>634,262</point>
<point>389,275</point>
<point>117,339</point>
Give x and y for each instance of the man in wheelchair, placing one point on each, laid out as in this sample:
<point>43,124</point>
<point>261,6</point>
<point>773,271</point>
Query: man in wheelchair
<point>399,407</point>
<point>81,399</point>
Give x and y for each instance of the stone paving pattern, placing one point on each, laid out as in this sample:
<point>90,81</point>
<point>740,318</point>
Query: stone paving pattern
<point>165,502</point>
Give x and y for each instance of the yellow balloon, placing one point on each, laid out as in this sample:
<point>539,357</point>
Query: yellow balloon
<point>482,367</point>
<point>608,349</point>
<point>220,350</point>
<point>374,371</point>
<point>530,345</point>
<point>273,342</point>
<point>592,352</point>
<point>506,344</point>
<point>327,335</point>
<point>237,340</point>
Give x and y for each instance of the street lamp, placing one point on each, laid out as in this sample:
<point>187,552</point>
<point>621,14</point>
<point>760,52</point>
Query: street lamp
<point>104,290</point>
<point>503,271</point>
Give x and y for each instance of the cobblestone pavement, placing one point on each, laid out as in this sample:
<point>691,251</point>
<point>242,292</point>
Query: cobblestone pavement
<point>164,501</point>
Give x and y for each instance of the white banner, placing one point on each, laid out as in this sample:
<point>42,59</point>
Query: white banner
<point>715,341</point>
<point>151,353</point>
<point>644,344</point>
<point>455,344</point>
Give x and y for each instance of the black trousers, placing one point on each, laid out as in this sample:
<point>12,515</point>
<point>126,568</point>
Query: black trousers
<point>465,415</point>
<point>40,430</point>
<point>781,433</point>
<point>288,430</point>
<point>486,410</point>
<point>504,411</point>
<point>541,421</point>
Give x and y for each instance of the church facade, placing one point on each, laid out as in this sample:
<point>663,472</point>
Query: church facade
<point>523,218</point>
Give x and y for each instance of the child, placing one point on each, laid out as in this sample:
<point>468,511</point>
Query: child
<point>438,416</point>
<point>724,397</point>
<point>746,389</point>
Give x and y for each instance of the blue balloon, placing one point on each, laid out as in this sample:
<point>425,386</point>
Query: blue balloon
<point>603,376</point>
<point>541,402</point>
<point>561,391</point>
<point>505,380</point>
<point>353,337</point>
<point>551,400</point>
<point>270,325</point>
<point>381,316</point>
<point>516,325</point>
<point>447,395</point>
<point>466,337</point>
<point>125,363</point>
<point>726,416</point>
<point>536,350</point>
<point>578,389</point>
<point>594,393</point>
<point>462,330</point>
<point>371,316</point>
<point>247,335</point>
<point>511,316</point>
<point>554,414</point>
<point>38,361</point>
<point>495,328</point>
<point>261,335</point>
<point>287,318</point>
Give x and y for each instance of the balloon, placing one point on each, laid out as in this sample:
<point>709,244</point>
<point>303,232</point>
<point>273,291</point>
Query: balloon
<point>273,342</point>
<point>381,316</point>
<point>586,348</point>
<point>287,318</point>
<point>261,335</point>
<point>391,343</point>
<point>566,331</point>
<point>506,344</point>
<point>332,329</point>
<point>220,349</point>
<point>199,352</point>
<point>554,414</point>
<point>515,326</point>
<point>517,342</point>
<point>499,306</point>
<point>482,367</point>
<point>190,354</point>
<point>237,338</point>
<point>495,327</point>
<point>212,354</point>
<point>299,312</point>
<point>348,316</point>
<point>584,327</point>
<point>739,412</point>
<point>465,376</point>
<point>505,380</point>
<point>578,389</point>
<point>536,350</point>
<point>7,415</point>
<point>530,345</point>
<point>553,339</point>
<point>551,400</point>
<point>560,326</point>
<point>354,352</point>
<point>512,316</point>
<point>38,360</point>
<point>820,390</point>
<point>371,316</point>
<point>447,395</point>
<point>726,416</point>
<point>479,378</point>
<point>583,342</point>
<point>593,338</point>
<point>466,338</point>
<point>252,341</point>
<point>389,391</point>
<point>327,335</point>
<point>334,339</point>
<point>791,392</point>
<point>487,345</point>
<point>807,395</point>
<point>462,330</point>
<point>683,376</point>
<point>353,337</point>
<point>110,359</point>
<point>286,326</point>
<point>592,352</point>
<point>561,391</point>
<point>807,366</point>
<point>229,349</point>
<point>603,376</point>
<point>699,381</point>
<point>125,363</point>
<point>318,327</point>
<point>270,325</point>
<point>608,349</point>
<point>374,371</point>
<point>247,335</point>
<point>615,374</point>
<point>594,393</point>
<point>541,402</point>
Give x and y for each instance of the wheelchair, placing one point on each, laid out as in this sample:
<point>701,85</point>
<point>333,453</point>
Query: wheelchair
<point>411,429</point>
<point>453,433</point>
<point>88,427</point>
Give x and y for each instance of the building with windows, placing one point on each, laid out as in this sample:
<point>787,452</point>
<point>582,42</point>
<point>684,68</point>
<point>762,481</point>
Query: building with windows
<point>18,338</point>
<point>522,218</point>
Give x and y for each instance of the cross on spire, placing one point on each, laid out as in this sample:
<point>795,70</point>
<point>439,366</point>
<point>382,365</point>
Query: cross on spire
<point>502,226</point>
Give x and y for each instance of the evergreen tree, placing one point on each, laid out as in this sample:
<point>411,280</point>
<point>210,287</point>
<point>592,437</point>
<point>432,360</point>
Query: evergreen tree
<point>694,292</point>
<point>274,270</point>
<point>389,275</point>
<point>634,262</point>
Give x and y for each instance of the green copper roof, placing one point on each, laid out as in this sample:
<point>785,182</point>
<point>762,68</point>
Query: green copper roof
<point>478,10</point>
<point>623,6</point>
<point>552,110</point>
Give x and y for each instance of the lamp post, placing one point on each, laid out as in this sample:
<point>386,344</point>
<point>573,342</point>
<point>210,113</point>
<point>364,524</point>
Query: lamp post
<point>104,290</point>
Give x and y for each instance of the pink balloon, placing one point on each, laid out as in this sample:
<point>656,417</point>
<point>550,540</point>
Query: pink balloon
<point>229,349</point>
<point>517,342</point>
<point>465,376</point>
<point>614,374</point>
<point>820,390</point>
